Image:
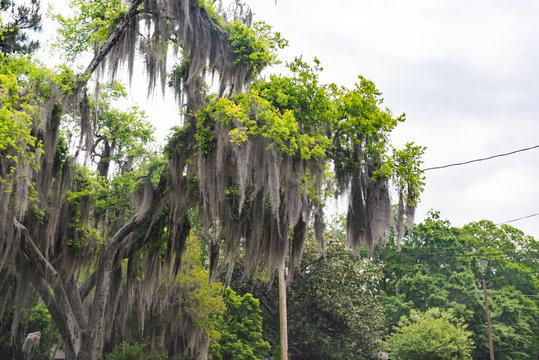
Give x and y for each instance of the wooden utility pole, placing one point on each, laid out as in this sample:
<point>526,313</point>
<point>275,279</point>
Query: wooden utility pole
<point>490,346</point>
<point>282,313</point>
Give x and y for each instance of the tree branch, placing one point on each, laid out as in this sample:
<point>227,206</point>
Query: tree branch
<point>75,301</point>
<point>87,286</point>
<point>56,314</point>
<point>113,38</point>
<point>49,274</point>
<point>106,263</point>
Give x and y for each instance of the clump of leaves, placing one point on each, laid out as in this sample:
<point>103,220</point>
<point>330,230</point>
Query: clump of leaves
<point>133,351</point>
<point>88,27</point>
<point>13,38</point>
<point>435,334</point>
<point>20,85</point>
<point>240,328</point>
<point>199,296</point>
<point>256,45</point>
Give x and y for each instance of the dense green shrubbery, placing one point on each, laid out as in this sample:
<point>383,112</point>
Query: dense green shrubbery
<point>240,329</point>
<point>435,334</point>
<point>136,351</point>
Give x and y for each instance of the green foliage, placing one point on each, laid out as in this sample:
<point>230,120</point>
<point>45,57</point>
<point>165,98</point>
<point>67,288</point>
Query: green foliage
<point>123,138</point>
<point>199,296</point>
<point>432,335</point>
<point>22,85</point>
<point>205,141</point>
<point>34,318</point>
<point>310,102</point>
<point>128,132</point>
<point>40,320</point>
<point>13,36</point>
<point>408,174</point>
<point>114,200</point>
<point>207,5</point>
<point>291,111</point>
<point>333,306</point>
<point>255,46</point>
<point>240,328</point>
<point>438,266</point>
<point>281,127</point>
<point>510,274</point>
<point>62,149</point>
<point>136,351</point>
<point>82,198</point>
<point>309,120</point>
<point>334,311</point>
<point>362,126</point>
<point>87,27</point>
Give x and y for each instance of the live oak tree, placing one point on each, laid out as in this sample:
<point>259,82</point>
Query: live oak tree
<point>251,162</point>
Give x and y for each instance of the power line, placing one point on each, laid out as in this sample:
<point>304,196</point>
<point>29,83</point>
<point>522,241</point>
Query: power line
<point>453,253</point>
<point>513,294</point>
<point>451,303</point>
<point>459,302</point>
<point>481,159</point>
<point>517,219</point>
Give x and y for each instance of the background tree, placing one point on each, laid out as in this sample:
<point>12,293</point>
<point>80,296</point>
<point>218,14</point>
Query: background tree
<point>120,137</point>
<point>240,329</point>
<point>435,334</point>
<point>333,305</point>
<point>438,266</point>
<point>15,20</point>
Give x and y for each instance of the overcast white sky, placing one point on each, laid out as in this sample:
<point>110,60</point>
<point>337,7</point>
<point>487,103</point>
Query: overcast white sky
<point>465,73</point>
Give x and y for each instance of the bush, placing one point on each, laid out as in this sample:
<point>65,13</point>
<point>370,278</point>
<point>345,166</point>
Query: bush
<point>127,351</point>
<point>240,328</point>
<point>432,335</point>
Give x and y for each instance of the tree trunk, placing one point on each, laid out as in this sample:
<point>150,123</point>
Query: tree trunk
<point>282,313</point>
<point>490,346</point>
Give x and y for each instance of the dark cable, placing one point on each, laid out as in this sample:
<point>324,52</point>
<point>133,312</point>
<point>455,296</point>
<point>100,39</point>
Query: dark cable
<point>513,294</point>
<point>482,159</point>
<point>517,219</point>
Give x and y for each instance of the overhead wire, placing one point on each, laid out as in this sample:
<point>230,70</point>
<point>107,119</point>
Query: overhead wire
<point>459,301</point>
<point>480,254</point>
<point>481,159</point>
<point>517,219</point>
<point>513,294</point>
<point>489,158</point>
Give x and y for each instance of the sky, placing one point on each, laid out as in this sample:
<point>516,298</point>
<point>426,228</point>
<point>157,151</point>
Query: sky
<point>465,74</point>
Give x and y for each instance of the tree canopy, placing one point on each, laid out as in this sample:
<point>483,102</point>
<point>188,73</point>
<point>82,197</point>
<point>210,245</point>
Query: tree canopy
<point>439,265</point>
<point>115,240</point>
